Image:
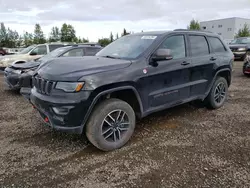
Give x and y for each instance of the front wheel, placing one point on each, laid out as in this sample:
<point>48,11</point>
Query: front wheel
<point>218,93</point>
<point>111,124</point>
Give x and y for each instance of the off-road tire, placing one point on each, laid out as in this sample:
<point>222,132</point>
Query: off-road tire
<point>210,100</point>
<point>94,129</point>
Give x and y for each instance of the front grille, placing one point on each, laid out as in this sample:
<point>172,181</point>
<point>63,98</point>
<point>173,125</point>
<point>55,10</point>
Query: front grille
<point>43,86</point>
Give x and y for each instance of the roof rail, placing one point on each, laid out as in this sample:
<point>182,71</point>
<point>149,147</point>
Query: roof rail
<point>193,30</point>
<point>89,44</point>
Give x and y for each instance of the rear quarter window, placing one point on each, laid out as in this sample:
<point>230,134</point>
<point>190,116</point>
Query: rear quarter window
<point>216,44</point>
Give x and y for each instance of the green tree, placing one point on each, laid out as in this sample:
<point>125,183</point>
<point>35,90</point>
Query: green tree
<point>54,35</point>
<point>8,37</point>
<point>85,40</point>
<point>79,40</point>
<point>68,33</point>
<point>27,39</point>
<point>13,37</point>
<point>3,35</point>
<point>244,32</point>
<point>194,25</point>
<point>125,32</point>
<point>19,41</point>
<point>104,41</point>
<point>38,35</point>
<point>111,37</point>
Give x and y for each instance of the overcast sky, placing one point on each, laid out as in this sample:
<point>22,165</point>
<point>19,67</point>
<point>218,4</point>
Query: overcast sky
<point>97,18</point>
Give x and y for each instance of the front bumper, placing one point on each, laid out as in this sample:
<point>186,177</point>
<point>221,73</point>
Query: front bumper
<point>64,112</point>
<point>246,68</point>
<point>16,81</point>
<point>239,55</point>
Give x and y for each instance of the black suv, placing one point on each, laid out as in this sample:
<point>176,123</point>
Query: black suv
<point>240,47</point>
<point>19,75</point>
<point>134,76</point>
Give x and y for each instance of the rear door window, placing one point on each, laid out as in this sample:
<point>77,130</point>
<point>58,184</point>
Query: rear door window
<point>216,44</point>
<point>199,45</point>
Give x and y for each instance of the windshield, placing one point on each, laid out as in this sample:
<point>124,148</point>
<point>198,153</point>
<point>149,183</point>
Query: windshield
<point>241,41</point>
<point>127,47</point>
<point>26,50</point>
<point>55,53</point>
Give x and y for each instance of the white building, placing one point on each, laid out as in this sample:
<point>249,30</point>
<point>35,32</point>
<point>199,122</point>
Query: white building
<point>227,28</point>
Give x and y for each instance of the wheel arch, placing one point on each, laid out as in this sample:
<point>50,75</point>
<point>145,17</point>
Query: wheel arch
<point>119,92</point>
<point>225,73</point>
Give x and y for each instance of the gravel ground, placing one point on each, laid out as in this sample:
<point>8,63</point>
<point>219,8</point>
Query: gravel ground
<point>184,146</point>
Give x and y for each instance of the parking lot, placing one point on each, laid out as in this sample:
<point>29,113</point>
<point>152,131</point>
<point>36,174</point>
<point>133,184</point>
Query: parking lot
<point>186,146</point>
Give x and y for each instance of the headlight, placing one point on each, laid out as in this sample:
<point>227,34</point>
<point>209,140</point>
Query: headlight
<point>242,49</point>
<point>70,86</point>
<point>17,71</point>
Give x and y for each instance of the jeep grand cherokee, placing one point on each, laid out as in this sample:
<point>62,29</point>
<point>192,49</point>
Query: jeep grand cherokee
<point>134,76</point>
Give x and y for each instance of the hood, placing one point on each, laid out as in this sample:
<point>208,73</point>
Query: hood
<point>15,56</point>
<point>8,59</point>
<point>238,45</point>
<point>73,68</point>
<point>27,65</point>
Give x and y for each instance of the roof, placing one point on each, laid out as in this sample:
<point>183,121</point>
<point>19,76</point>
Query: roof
<point>152,33</point>
<point>174,31</point>
<point>225,19</point>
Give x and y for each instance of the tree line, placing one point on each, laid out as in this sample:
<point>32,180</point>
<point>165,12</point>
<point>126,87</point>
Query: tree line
<point>244,32</point>
<point>12,39</point>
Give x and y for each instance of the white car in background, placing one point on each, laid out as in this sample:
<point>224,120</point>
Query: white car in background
<point>30,53</point>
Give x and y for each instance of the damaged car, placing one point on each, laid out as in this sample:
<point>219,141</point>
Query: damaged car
<point>19,75</point>
<point>30,53</point>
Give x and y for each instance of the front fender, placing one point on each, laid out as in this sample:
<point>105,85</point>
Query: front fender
<point>110,91</point>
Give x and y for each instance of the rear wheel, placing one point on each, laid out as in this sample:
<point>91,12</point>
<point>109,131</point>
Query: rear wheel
<point>218,93</point>
<point>111,124</point>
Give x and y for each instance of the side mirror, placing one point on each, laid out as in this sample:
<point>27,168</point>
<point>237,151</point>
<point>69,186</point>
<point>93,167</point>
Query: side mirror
<point>162,55</point>
<point>33,53</point>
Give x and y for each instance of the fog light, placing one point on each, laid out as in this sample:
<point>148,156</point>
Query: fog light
<point>62,110</point>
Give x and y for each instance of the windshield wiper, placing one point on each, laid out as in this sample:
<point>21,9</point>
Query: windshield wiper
<point>111,57</point>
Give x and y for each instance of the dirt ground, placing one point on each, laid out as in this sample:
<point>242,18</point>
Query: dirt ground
<point>185,146</point>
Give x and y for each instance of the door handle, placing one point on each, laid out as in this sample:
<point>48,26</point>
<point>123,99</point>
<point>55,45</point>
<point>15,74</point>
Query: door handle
<point>213,59</point>
<point>185,63</point>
